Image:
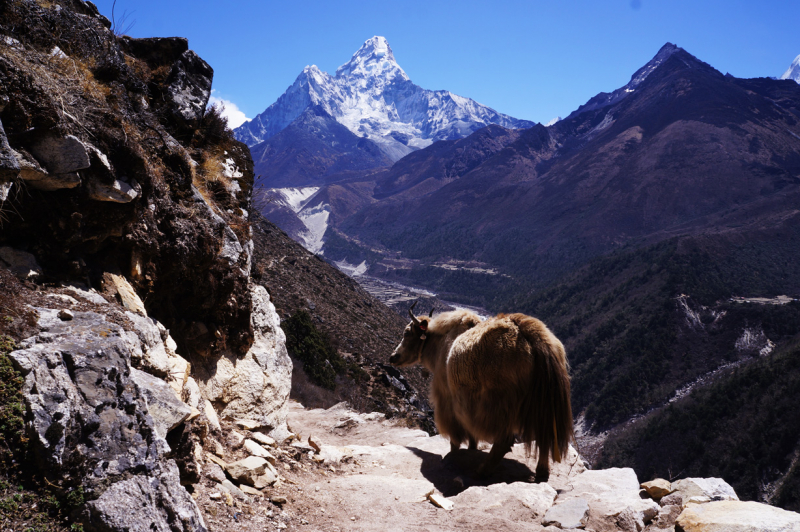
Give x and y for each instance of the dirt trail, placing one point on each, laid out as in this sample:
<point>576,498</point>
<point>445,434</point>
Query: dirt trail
<point>383,472</point>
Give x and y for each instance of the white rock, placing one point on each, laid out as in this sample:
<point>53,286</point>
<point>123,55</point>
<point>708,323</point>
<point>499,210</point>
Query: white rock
<point>89,295</point>
<point>535,497</point>
<point>263,439</point>
<point>256,450</point>
<point>701,490</point>
<point>191,393</point>
<point>211,414</point>
<point>737,516</point>
<point>440,500</point>
<point>572,513</point>
<point>255,386</point>
<point>609,492</point>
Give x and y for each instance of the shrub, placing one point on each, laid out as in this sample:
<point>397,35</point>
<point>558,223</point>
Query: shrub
<point>313,349</point>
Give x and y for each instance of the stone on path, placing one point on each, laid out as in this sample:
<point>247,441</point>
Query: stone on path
<point>536,498</point>
<point>610,492</point>
<point>737,516</point>
<point>573,513</point>
<point>246,471</point>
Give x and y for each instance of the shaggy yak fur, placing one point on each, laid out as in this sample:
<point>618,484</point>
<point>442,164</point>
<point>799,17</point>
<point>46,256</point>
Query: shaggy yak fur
<point>494,380</point>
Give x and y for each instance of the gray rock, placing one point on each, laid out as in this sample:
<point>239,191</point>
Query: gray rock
<point>667,516</point>
<point>9,167</point>
<point>263,439</point>
<point>117,191</point>
<point>230,487</point>
<point>673,499</point>
<point>257,450</point>
<point>90,427</point>
<point>21,263</point>
<point>737,516</point>
<point>570,514</point>
<point>704,490</point>
<point>164,406</point>
<point>146,503</point>
<point>189,87</point>
<point>61,155</point>
<point>88,295</point>
<point>214,472</point>
<point>37,177</point>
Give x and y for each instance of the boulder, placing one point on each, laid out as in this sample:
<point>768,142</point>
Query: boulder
<point>737,516</point>
<point>667,516</point>
<point>226,486</point>
<point>90,426</point>
<point>535,499</point>
<point>211,414</point>
<point>254,386</point>
<point>154,357</point>
<point>609,493</point>
<point>21,263</point>
<point>657,488</point>
<point>573,513</point>
<point>247,470</point>
<point>146,503</point>
<point>167,410</point>
<point>61,155</point>
<point>701,490</point>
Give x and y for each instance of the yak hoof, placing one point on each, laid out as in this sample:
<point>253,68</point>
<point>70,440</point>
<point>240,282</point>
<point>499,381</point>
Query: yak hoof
<point>542,476</point>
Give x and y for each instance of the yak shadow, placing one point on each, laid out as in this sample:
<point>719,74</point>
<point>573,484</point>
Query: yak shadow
<point>463,464</point>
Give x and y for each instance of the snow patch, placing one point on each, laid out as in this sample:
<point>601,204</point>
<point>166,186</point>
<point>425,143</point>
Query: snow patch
<point>295,198</point>
<point>316,222</point>
<point>352,270</point>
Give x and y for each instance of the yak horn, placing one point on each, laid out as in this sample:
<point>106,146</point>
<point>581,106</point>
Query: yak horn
<point>431,314</point>
<point>413,318</point>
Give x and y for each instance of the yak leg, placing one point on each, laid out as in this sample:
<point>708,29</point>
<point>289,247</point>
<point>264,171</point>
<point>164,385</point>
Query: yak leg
<point>454,446</point>
<point>473,443</point>
<point>500,447</point>
<point>543,464</point>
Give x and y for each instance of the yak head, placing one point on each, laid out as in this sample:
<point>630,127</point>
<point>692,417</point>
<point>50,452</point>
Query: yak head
<point>410,349</point>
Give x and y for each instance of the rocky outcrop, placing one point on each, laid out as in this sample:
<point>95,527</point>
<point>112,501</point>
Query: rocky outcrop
<point>254,386</point>
<point>737,516</point>
<point>91,427</point>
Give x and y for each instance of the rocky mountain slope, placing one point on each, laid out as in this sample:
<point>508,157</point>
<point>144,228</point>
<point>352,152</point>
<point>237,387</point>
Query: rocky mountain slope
<point>387,116</point>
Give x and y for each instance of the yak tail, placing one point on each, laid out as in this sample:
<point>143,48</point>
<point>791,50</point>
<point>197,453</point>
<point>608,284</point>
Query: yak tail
<point>546,410</point>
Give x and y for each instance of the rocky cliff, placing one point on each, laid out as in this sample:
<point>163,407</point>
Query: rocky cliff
<point>130,316</point>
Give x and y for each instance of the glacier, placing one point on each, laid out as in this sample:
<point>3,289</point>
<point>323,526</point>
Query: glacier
<point>372,96</point>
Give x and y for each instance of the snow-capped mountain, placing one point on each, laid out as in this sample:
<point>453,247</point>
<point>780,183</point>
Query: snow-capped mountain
<point>372,96</point>
<point>793,72</point>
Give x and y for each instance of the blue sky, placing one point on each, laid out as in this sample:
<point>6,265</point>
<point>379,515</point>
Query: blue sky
<point>529,59</point>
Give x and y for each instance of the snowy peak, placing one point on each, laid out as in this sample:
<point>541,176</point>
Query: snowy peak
<point>663,54</point>
<point>373,59</point>
<point>374,98</point>
<point>793,72</point>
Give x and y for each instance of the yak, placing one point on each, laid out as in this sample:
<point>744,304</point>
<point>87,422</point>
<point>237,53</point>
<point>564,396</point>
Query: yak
<point>495,380</point>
